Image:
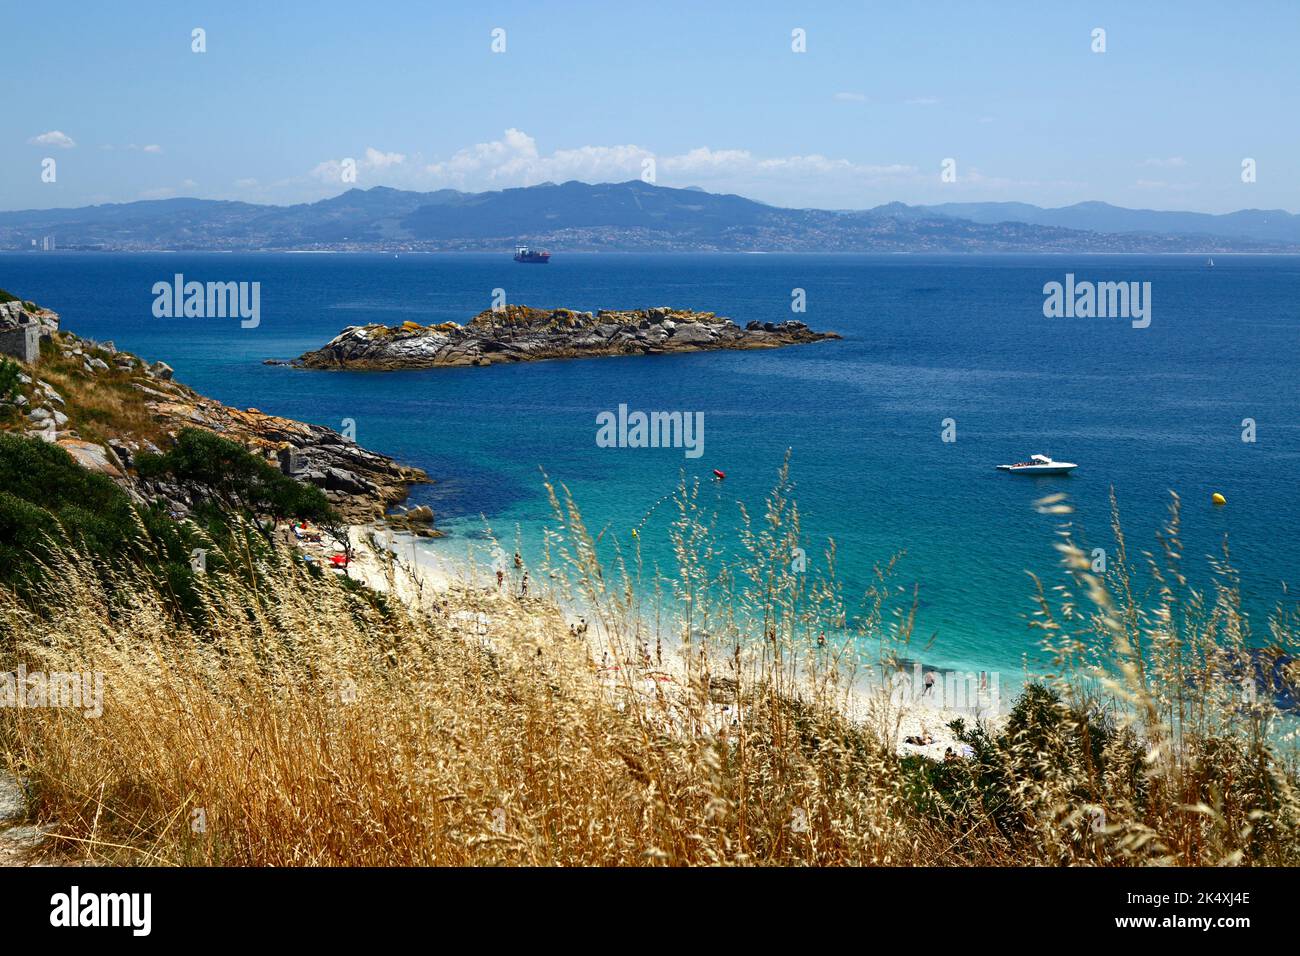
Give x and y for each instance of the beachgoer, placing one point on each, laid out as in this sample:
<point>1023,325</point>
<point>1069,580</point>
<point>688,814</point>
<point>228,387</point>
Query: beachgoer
<point>501,578</point>
<point>929,683</point>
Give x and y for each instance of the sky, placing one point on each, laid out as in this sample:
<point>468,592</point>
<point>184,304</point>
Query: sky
<point>714,94</point>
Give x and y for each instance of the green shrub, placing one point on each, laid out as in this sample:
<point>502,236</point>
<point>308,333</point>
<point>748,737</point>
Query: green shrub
<point>9,372</point>
<point>48,500</point>
<point>238,482</point>
<point>1047,746</point>
<point>90,507</point>
<point>26,531</point>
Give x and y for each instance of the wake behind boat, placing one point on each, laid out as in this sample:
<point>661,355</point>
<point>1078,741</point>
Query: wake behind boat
<point>1040,465</point>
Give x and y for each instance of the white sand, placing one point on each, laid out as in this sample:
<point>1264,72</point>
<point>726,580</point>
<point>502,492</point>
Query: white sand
<point>394,562</point>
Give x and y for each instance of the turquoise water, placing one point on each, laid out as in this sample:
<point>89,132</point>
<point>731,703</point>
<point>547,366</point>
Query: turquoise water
<point>925,339</point>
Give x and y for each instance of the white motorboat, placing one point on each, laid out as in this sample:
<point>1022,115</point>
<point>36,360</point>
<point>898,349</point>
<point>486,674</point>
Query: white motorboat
<point>1040,465</point>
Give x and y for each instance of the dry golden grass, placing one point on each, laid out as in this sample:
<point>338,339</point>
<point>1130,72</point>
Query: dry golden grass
<point>301,726</point>
<point>102,406</point>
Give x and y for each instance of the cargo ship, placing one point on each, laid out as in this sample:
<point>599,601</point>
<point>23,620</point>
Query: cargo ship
<point>524,254</point>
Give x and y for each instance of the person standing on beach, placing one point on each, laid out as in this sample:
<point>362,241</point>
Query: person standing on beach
<point>501,578</point>
<point>523,586</point>
<point>929,683</point>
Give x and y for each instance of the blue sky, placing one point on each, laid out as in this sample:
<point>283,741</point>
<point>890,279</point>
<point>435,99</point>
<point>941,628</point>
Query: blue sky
<point>413,93</point>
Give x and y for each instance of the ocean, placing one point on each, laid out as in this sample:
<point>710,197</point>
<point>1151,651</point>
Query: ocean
<point>932,345</point>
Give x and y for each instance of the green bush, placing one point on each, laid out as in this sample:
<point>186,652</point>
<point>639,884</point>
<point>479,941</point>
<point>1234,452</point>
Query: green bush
<point>47,500</point>
<point>9,372</point>
<point>238,482</point>
<point>26,531</point>
<point>89,506</point>
<point>1046,745</point>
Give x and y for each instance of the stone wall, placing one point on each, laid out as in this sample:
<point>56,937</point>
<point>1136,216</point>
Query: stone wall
<point>21,331</point>
<point>22,343</point>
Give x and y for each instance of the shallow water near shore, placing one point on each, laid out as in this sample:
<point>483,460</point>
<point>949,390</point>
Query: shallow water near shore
<point>925,339</point>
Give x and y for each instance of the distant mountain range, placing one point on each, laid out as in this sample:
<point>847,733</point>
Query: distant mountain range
<point>636,216</point>
<point>1259,225</point>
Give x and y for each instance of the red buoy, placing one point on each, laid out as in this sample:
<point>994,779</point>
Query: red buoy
<point>718,474</point>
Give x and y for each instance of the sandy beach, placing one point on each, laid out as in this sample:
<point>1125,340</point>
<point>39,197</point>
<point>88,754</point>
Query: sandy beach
<point>896,707</point>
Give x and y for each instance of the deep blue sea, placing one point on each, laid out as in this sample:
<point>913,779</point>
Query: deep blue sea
<point>925,339</point>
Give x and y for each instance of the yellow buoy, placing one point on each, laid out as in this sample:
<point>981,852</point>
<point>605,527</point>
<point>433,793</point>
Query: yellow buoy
<point>1218,499</point>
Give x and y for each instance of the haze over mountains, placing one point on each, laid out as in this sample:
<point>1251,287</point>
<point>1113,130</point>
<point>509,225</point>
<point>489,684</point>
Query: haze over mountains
<point>635,216</point>
<point>1262,225</point>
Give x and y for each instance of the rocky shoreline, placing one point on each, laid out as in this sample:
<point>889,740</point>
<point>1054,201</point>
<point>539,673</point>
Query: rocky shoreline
<point>63,393</point>
<point>361,484</point>
<point>517,333</point>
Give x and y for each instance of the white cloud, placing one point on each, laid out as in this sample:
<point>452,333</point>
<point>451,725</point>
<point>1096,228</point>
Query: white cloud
<point>516,160</point>
<point>379,160</point>
<point>53,138</point>
<point>134,148</point>
<point>1173,162</point>
<point>704,160</point>
<point>852,97</point>
<point>331,170</point>
<point>922,101</point>
<point>186,186</point>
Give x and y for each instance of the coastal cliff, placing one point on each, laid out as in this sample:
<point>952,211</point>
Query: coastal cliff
<point>104,406</point>
<point>517,333</point>
<point>361,484</point>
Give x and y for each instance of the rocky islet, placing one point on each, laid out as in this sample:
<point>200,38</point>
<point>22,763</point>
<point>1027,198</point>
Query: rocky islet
<point>518,333</point>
